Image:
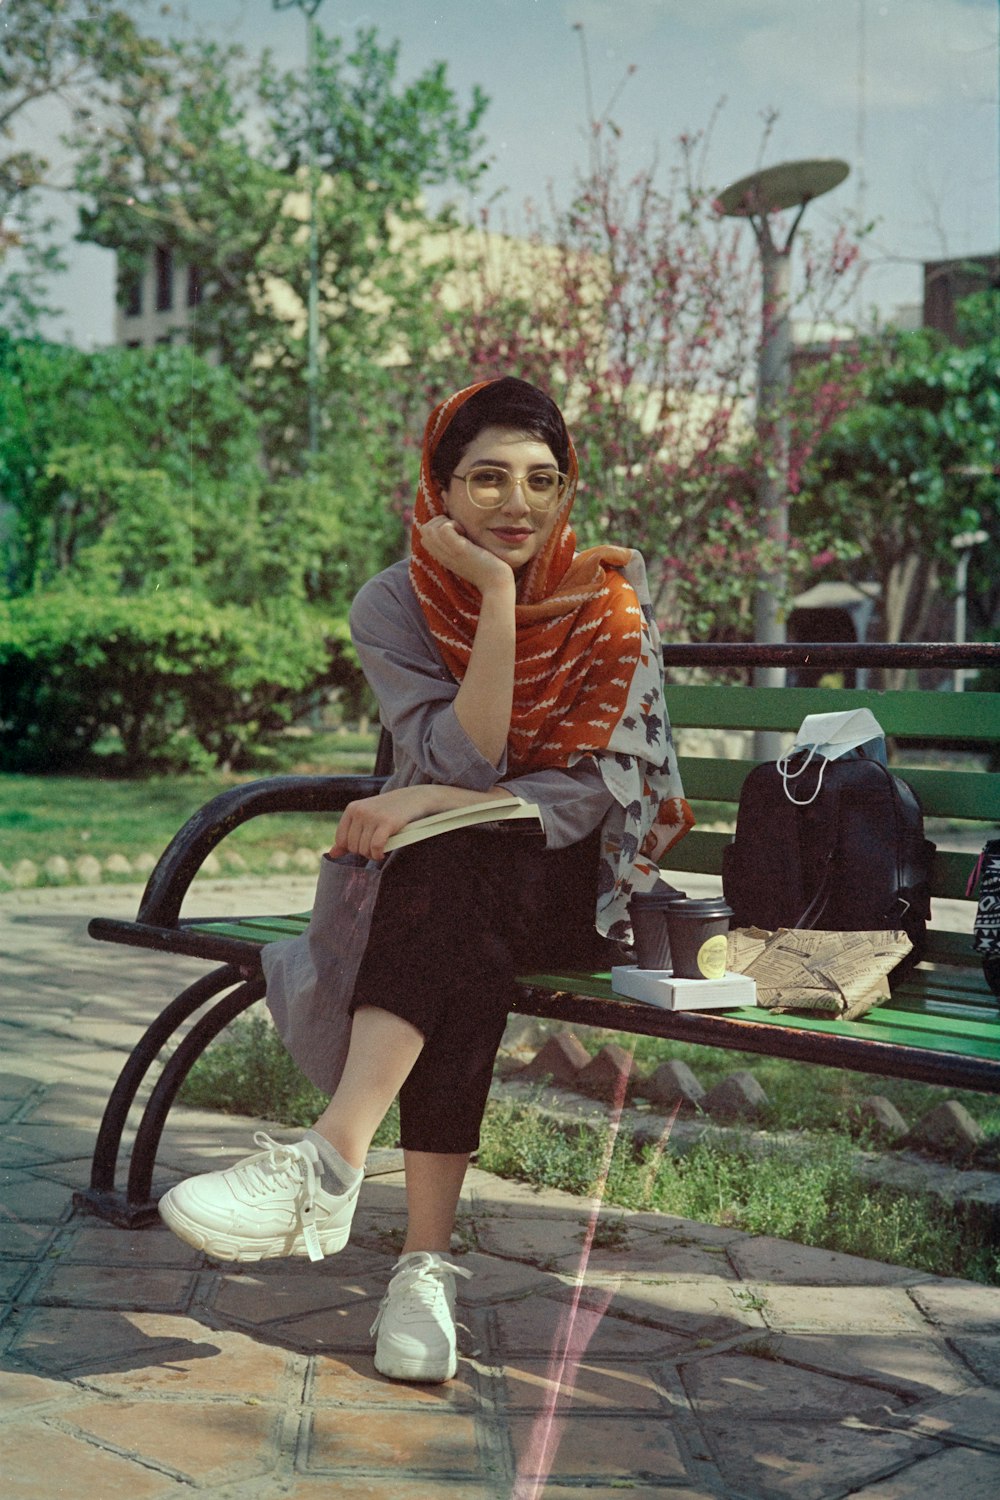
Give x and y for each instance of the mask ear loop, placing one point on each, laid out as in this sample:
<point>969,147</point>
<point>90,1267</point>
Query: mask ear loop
<point>787,776</point>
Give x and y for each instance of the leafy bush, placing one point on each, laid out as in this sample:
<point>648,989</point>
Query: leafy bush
<point>86,438</point>
<point>179,679</point>
<point>247,1071</point>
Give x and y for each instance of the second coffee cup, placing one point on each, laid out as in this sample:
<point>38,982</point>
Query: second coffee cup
<point>698,937</point>
<point>651,935</point>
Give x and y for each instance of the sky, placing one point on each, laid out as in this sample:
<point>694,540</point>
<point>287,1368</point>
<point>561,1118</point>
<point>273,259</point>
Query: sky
<point>904,91</point>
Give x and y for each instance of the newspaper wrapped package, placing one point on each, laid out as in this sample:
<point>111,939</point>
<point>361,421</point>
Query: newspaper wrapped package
<point>837,974</point>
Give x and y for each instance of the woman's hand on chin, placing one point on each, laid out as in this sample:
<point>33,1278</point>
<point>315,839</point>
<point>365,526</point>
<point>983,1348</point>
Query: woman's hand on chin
<point>448,544</point>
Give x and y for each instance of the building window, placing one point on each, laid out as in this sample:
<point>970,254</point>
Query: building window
<point>194,285</point>
<point>132,295</point>
<point>164,279</point>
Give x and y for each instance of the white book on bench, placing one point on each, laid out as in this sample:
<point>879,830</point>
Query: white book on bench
<point>659,987</point>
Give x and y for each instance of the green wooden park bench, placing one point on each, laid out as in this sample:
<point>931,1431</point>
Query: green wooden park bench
<point>941,1025</point>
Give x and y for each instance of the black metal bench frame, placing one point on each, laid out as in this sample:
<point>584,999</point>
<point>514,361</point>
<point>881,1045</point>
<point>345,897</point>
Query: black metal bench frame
<point>950,983</point>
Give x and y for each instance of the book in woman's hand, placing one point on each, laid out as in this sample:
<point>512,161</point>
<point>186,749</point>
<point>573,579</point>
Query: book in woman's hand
<point>497,810</point>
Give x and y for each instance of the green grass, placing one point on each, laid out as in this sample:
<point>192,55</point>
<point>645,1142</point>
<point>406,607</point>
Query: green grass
<point>804,1097</point>
<point>807,1192</point>
<point>74,815</point>
<point>247,1071</point>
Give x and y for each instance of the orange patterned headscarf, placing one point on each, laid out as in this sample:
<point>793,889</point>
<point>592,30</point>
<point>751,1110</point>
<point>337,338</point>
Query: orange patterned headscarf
<point>577,620</point>
<point>587,677</point>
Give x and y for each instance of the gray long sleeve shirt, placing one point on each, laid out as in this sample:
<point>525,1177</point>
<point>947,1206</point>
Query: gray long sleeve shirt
<point>416,694</point>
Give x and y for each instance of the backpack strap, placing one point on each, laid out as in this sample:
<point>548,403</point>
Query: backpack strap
<point>813,913</point>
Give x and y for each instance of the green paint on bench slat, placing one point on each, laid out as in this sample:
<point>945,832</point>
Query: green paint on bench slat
<point>982,1043</point>
<point>898,1027</point>
<point>936,968</point>
<point>952,1023</point>
<point>713,780</point>
<point>575,981</point>
<point>984,1047</point>
<point>254,929</point>
<point>950,873</point>
<point>897,1036</point>
<point>964,968</point>
<point>931,978</point>
<point>922,983</point>
<point>955,794</point>
<point>945,999</point>
<point>701,853</point>
<point>936,995</point>
<point>903,1025</point>
<point>944,794</point>
<point>914,715</point>
<point>951,947</point>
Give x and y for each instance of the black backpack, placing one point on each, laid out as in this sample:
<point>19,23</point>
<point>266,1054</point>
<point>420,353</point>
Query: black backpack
<point>851,858</point>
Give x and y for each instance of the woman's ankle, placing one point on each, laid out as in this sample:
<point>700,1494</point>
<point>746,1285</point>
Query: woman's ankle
<point>350,1148</point>
<point>429,1244</point>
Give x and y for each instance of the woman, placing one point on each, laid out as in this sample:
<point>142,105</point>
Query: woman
<point>504,663</point>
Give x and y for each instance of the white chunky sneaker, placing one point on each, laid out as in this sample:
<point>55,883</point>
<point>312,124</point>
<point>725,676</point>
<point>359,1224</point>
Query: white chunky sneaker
<point>266,1205</point>
<point>416,1319</point>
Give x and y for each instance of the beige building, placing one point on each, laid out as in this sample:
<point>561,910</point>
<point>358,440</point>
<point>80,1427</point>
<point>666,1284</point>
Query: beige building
<point>158,304</point>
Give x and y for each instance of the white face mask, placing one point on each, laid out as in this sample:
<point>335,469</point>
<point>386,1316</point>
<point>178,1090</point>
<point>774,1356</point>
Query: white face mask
<point>827,737</point>
<point>833,735</point>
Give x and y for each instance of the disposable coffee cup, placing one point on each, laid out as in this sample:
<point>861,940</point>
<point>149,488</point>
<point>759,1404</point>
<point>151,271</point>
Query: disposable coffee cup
<point>698,937</point>
<point>651,935</point>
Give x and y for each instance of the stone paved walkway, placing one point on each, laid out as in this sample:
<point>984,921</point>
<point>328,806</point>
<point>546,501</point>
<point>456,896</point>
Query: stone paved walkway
<point>684,1361</point>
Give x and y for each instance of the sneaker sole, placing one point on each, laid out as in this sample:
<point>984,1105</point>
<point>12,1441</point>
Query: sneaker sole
<point>226,1247</point>
<point>415,1369</point>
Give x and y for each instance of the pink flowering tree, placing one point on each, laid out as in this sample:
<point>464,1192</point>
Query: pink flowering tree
<point>638,308</point>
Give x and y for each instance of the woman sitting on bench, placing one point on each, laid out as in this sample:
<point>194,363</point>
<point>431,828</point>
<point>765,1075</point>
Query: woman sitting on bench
<point>504,662</point>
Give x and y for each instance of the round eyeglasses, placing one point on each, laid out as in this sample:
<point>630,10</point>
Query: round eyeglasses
<point>489,486</point>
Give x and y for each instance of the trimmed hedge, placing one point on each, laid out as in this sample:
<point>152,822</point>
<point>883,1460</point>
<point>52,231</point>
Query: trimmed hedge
<point>178,678</point>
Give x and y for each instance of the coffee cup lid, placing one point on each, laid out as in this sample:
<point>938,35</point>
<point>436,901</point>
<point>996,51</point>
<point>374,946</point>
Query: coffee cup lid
<point>705,906</point>
<point>661,895</point>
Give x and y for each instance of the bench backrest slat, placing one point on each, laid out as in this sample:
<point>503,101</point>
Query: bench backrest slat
<point>937,719</point>
<point>956,794</point>
<point>701,853</point>
<point>943,794</point>
<point>948,716</point>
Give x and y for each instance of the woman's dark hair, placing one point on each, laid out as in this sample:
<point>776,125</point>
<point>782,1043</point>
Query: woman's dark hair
<point>510,403</point>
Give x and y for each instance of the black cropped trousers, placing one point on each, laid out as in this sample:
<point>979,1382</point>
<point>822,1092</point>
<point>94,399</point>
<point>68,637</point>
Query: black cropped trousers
<point>456,919</point>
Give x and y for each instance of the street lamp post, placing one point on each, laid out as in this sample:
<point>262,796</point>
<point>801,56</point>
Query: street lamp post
<point>771,190</point>
<point>309,9</point>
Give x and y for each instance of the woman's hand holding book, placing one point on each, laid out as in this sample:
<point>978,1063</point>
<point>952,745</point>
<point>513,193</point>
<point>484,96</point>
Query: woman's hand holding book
<point>366,825</point>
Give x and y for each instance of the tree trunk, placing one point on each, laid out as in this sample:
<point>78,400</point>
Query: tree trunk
<point>907,591</point>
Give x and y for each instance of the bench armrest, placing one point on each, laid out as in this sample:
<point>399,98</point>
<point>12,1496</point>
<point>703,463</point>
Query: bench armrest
<point>177,866</point>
